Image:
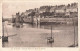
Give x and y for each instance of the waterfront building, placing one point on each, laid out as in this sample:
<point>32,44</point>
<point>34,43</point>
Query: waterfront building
<point>72,10</point>
<point>13,18</point>
<point>17,17</point>
<point>49,12</point>
<point>53,9</point>
<point>42,9</point>
<point>60,9</point>
<point>37,16</point>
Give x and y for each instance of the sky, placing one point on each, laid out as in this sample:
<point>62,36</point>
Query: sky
<point>11,8</point>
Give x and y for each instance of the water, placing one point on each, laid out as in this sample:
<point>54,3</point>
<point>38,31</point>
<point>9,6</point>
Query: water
<point>36,36</point>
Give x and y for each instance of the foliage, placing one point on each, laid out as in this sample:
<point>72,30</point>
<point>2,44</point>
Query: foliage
<point>47,14</point>
<point>31,14</point>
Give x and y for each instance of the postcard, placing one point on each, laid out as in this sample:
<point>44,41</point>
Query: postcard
<point>39,25</point>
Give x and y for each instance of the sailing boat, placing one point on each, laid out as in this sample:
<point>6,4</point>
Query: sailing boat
<point>50,39</point>
<point>4,38</point>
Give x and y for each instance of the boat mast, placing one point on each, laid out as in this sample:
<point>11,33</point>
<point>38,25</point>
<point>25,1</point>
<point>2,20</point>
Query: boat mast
<point>74,30</point>
<point>51,31</point>
<point>2,26</point>
<point>51,34</point>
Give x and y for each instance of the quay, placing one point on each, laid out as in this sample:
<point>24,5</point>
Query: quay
<point>52,20</point>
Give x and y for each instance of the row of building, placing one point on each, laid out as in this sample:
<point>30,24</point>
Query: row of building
<point>70,10</point>
<point>61,9</point>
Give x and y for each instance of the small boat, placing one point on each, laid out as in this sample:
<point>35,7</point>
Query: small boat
<point>50,40</point>
<point>4,38</point>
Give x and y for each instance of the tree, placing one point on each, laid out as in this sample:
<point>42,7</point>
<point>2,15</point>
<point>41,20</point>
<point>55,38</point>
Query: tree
<point>47,14</point>
<point>68,5</point>
<point>31,14</point>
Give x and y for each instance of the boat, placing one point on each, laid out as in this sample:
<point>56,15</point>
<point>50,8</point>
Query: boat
<point>4,38</point>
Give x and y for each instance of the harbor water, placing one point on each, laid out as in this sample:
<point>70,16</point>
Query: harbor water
<point>36,35</point>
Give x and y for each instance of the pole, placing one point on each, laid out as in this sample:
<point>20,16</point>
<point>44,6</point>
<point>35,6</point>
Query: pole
<point>3,26</point>
<point>74,30</point>
<point>51,34</point>
<point>74,33</point>
<point>51,31</point>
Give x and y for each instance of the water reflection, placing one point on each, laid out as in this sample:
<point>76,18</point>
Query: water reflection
<point>48,26</point>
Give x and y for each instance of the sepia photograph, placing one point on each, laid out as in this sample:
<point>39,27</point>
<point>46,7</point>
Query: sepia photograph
<point>40,24</point>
